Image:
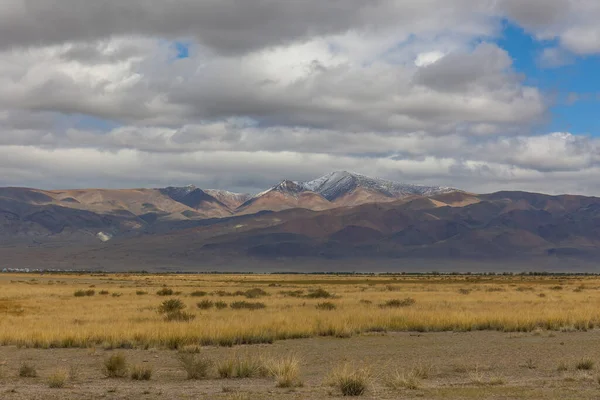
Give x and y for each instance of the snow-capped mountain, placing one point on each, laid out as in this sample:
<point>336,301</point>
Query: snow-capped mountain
<point>340,188</point>
<point>291,188</point>
<point>337,184</point>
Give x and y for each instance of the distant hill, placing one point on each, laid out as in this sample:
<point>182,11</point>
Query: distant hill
<point>339,218</point>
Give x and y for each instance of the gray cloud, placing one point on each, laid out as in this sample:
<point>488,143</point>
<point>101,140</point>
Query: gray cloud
<point>92,93</point>
<point>229,26</point>
<point>573,22</point>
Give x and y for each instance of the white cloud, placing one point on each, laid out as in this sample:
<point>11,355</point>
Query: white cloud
<point>91,93</point>
<point>430,57</point>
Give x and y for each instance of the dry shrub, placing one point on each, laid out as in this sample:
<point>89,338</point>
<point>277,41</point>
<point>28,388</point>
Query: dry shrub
<point>397,303</point>
<point>402,380</point>
<point>205,304</point>
<point>328,306</point>
<point>319,293</point>
<point>82,293</point>
<point>58,379</point>
<point>179,316</point>
<point>242,367</point>
<point>115,366</point>
<point>236,305</point>
<point>585,364</point>
<point>350,381</point>
<point>255,293</point>
<point>285,370</point>
<point>165,292</point>
<point>27,370</point>
<point>141,372</point>
<point>219,305</point>
<point>195,365</point>
<point>171,305</point>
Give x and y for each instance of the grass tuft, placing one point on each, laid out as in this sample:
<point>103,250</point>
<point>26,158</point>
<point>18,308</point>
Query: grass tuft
<point>141,372</point>
<point>585,364</point>
<point>396,303</point>
<point>165,292</point>
<point>350,381</point>
<point>236,305</point>
<point>205,304</point>
<point>58,379</point>
<point>195,366</point>
<point>401,380</point>
<point>285,370</point>
<point>115,366</point>
<point>327,306</point>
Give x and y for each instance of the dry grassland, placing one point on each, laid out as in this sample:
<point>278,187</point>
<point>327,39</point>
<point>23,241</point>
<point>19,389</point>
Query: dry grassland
<point>122,310</point>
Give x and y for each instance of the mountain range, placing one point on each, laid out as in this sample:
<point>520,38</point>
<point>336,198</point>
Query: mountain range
<point>341,218</point>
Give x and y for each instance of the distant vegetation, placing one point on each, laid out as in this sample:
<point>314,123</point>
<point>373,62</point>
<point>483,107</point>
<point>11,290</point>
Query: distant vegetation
<point>41,311</point>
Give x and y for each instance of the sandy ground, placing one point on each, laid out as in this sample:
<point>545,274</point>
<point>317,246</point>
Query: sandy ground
<point>473,365</point>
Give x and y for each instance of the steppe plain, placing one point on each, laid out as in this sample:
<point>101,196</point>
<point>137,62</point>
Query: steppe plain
<point>299,336</point>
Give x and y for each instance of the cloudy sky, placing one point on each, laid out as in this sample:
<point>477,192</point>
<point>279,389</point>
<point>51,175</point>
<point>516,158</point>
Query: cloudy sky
<point>482,95</point>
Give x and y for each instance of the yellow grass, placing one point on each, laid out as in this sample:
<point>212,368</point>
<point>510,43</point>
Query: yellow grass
<point>42,311</point>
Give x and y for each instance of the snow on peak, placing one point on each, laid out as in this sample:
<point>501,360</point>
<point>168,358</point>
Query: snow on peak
<point>339,183</point>
<point>287,187</point>
<point>336,184</point>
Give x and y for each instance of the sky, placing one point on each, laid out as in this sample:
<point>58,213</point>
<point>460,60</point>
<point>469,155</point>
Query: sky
<point>481,95</point>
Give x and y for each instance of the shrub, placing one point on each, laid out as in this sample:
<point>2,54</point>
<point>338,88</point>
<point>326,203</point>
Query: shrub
<point>351,382</point>
<point>27,371</point>
<point>556,288</point>
<point>165,292</point>
<point>220,305</point>
<point>115,366</point>
<point>241,367</point>
<point>286,371</point>
<point>194,365</point>
<point>524,289</point>
<point>396,303</point>
<point>115,294</point>
<point>171,305</point>
<point>326,306</point>
<point>464,291</point>
<point>247,367</point>
<point>292,293</point>
<point>400,380</point>
<point>236,305</point>
<point>205,304</point>
<point>255,293</point>
<point>226,369</point>
<point>58,379</point>
<point>585,364</point>
<point>319,294</point>
<point>562,366</point>
<point>141,373</point>
<point>180,316</point>
<point>140,292</point>
<point>82,293</point>
<point>104,292</point>
<point>198,293</point>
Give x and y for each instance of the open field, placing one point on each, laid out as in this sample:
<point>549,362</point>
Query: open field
<point>121,310</point>
<point>437,336</point>
<point>436,365</point>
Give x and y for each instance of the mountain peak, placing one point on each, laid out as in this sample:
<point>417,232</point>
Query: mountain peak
<point>339,183</point>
